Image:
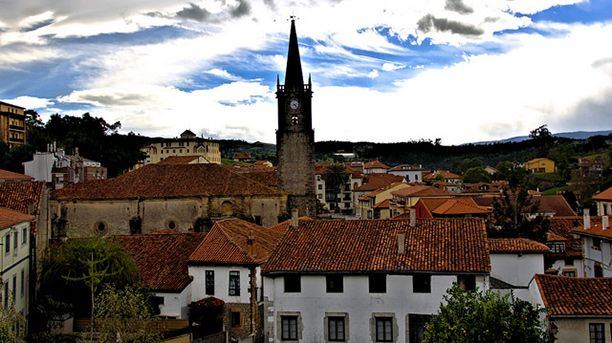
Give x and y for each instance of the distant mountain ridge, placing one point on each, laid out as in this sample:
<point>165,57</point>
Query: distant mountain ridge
<point>571,135</point>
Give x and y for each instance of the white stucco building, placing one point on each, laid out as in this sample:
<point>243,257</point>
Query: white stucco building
<point>514,263</point>
<point>412,173</point>
<point>15,260</point>
<point>225,266</point>
<point>596,247</point>
<point>368,280</point>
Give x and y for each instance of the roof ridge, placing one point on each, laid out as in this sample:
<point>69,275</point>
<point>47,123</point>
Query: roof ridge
<point>231,240</point>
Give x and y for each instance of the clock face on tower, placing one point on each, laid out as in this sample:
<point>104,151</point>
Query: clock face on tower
<point>294,104</point>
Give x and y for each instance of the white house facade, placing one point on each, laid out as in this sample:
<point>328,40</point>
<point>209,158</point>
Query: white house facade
<point>343,288</point>
<point>596,247</point>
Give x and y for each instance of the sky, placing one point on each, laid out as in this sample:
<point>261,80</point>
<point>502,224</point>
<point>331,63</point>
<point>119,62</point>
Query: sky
<point>382,71</point>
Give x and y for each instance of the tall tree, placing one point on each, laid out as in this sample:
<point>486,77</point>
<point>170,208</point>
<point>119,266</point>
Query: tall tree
<point>125,316</point>
<point>483,317</point>
<point>543,139</point>
<point>335,178</point>
<point>9,319</point>
<point>515,214</point>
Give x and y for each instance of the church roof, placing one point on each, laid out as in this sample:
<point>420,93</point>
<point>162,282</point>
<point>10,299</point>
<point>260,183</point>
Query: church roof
<point>293,75</point>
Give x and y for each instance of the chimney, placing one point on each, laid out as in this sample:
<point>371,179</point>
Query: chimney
<point>295,218</point>
<point>250,244</point>
<point>586,219</point>
<point>401,239</point>
<point>605,223</point>
<point>412,212</point>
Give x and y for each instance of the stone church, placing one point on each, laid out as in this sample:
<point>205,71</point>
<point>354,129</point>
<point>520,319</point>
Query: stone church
<point>295,136</point>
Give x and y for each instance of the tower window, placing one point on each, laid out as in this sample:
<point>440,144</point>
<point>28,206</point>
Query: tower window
<point>295,120</point>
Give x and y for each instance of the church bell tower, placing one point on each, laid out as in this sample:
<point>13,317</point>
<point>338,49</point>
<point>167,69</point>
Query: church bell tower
<point>295,136</point>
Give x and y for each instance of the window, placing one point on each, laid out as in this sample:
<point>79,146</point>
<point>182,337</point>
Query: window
<point>258,220</point>
<point>384,329</point>
<point>335,329</point>
<point>234,319</point>
<point>570,273</point>
<point>22,284</point>
<point>318,177</point>
<point>15,242</point>
<point>289,328</point>
<point>210,282</point>
<point>596,244</point>
<point>416,324</point>
<point>101,227</point>
<point>6,294</point>
<point>320,187</point>
<point>334,283</point>
<point>14,288</point>
<point>421,283</point>
<point>596,333</point>
<point>378,283</point>
<point>24,236</point>
<point>7,244</point>
<point>597,270</point>
<point>467,282</point>
<point>293,283</point>
<point>234,283</point>
<point>557,247</point>
<point>171,225</point>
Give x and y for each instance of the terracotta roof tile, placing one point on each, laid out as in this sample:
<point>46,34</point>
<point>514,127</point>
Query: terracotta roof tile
<point>10,217</point>
<point>361,246</point>
<point>373,182</point>
<point>375,164</point>
<point>555,204</point>
<point>569,296</point>
<point>383,204</point>
<point>21,196</point>
<point>162,258</point>
<point>179,159</point>
<point>596,230</point>
<point>6,175</point>
<point>453,206</point>
<point>563,227</point>
<point>516,246</point>
<point>604,195</point>
<point>420,191</point>
<point>268,178</point>
<point>444,174</point>
<point>282,227</point>
<point>167,181</point>
<point>227,244</point>
<point>407,167</point>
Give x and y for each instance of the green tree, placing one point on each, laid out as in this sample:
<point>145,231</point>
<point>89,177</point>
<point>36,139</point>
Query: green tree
<point>476,174</point>
<point>510,172</point>
<point>515,215</point>
<point>125,316</point>
<point>75,267</point>
<point>484,317</point>
<point>9,319</point>
<point>543,139</point>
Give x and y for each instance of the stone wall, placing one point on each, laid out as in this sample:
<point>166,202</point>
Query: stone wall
<point>86,218</point>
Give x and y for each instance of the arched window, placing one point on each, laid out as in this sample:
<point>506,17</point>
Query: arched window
<point>227,208</point>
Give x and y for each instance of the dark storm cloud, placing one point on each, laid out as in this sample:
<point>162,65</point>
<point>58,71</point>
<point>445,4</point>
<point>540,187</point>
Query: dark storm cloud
<point>242,9</point>
<point>602,62</point>
<point>193,12</point>
<point>37,25</point>
<point>458,6</point>
<point>429,22</point>
<point>589,114</point>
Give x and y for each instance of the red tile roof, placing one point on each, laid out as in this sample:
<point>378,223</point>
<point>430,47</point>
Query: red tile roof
<point>444,174</point>
<point>375,164</point>
<point>562,227</point>
<point>596,230</point>
<point>383,204</point>
<point>555,204</point>
<point>227,244</point>
<point>373,182</point>
<point>420,191</point>
<point>9,218</point>
<point>268,178</point>
<point>21,196</point>
<point>179,159</point>
<point>6,175</point>
<point>569,296</point>
<point>605,195</point>
<point>168,181</point>
<point>453,206</point>
<point>162,258</point>
<point>282,227</point>
<point>516,246</point>
<point>361,246</point>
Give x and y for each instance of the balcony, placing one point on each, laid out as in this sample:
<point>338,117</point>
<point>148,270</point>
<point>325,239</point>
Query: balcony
<point>17,128</point>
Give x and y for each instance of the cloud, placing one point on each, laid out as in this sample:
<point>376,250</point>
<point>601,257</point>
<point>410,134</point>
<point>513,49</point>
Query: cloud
<point>458,6</point>
<point>373,74</point>
<point>242,9</point>
<point>223,74</point>
<point>429,22</point>
<point>392,66</point>
<point>193,12</point>
<point>30,102</point>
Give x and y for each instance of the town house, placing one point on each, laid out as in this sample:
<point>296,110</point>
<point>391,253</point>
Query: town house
<point>596,246</point>
<point>368,280</point>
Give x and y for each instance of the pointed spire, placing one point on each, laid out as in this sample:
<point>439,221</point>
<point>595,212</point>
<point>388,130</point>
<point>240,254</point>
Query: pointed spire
<point>277,81</point>
<point>293,74</point>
